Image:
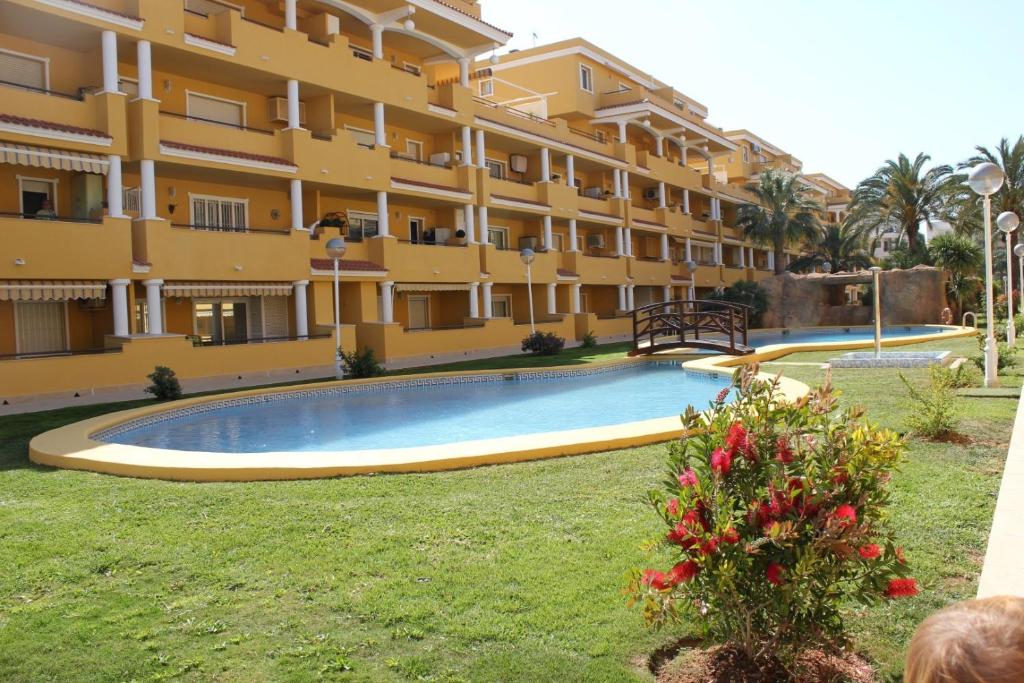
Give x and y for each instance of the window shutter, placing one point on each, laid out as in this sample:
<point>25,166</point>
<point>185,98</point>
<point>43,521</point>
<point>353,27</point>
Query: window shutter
<point>22,70</point>
<point>219,111</point>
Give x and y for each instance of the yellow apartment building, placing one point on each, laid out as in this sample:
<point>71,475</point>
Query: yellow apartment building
<point>170,171</point>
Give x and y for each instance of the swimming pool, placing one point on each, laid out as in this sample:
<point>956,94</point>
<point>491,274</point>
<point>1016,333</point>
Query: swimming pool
<point>837,334</point>
<point>431,412</point>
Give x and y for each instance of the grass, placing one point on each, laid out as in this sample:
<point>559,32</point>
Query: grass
<point>508,573</point>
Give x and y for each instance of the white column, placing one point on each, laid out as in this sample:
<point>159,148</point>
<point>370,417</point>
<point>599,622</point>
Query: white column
<point>662,202</point>
<point>743,257</point>
<point>629,297</point>
<point>377,33</point>
<point>684,160</point>
<point>545,165</point>
<point>617,180</point>
<point>119,302</point>
<point>380,136</point>
<point>618,242</point>
<point>692,293</point>
<point>771,260</point>
<point>573,238</point>
<point>686,201</point>
<point>750,257</point>
<point>711,163</point>
<point>383,225</point>
<point>387,305</point>
<point>570,170</point>
<point>467,146</point>
<point>689,250</point>
<point>485,238</point>
<point>290,15</point>
<point>552,302</point>
<point>154,310</point>
<point>625,185</point>
<point>474,300</point>
<point>660,145</point>
<point>576,298</point>
<point>666,293</point>
<point>464,71</point>
<point>295,187</point>
<point>109,50</point>
<point>481,149</point>
<point>548,239</point>
<point>469,218</point>
<point>115,205</point>
<point>628,239</point>
<point>145,59</point>
<point>301,316</point>
<point>622,131</point>
<point>664,247</point>
<point>488,301</point>
<point>294,120</point>
<point>720,260</point>
<point>622,297</point>
<point>147,178</point>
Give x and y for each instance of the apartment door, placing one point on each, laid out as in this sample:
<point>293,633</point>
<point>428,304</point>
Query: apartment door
<point>41,326</point>
<point>218,322</point>
<point>419,312</point>
<point>34,193</point>
<point>415,230</point>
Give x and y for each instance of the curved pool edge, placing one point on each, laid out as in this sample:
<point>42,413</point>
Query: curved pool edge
<point>72,446</point>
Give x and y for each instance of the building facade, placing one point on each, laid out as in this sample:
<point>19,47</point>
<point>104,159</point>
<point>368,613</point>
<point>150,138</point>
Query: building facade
<point>171,170</point>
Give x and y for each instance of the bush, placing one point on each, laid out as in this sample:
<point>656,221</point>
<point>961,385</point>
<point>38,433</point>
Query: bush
<point>962,377</point>
<point>589,341</point>
<point>747,293</point>
<point>1007,357</point>
<point>361,365</point>
<point>165,385</point>
<point>934,413</point>
<point>1018,324</point>
<point>543,344</point>
<point>775,517</point>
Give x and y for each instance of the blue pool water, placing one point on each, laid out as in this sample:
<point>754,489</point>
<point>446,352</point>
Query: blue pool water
<point>836,334</point>
<point>434,414</point>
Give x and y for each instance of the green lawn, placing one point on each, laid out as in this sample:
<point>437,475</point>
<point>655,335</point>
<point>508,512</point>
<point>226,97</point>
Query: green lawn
<point>508,573</point>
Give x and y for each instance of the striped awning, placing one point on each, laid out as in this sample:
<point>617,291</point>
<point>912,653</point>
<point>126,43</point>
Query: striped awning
<point>431,287</point>
<point>186,290</point>
<point>51,290</point>
<point>26,155</point>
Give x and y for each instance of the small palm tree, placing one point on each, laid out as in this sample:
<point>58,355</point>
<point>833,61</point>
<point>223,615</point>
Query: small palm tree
<point>786,213</point>
<point>962,257</point>
<point>902,195</point>
<point>840,244</point>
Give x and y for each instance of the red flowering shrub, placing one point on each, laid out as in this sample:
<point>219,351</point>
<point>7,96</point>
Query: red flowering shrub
<point>774,517</point>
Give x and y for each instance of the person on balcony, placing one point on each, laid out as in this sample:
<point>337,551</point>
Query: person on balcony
<point>46,211</point>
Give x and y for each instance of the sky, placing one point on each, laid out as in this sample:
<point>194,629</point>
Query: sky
<point>841,84</point>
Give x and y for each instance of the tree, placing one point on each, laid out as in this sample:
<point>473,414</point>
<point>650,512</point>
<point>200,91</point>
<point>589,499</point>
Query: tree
<point>786,213</point>
<point>902,195</point>
<point>841,244</point>
<point>963,259</point>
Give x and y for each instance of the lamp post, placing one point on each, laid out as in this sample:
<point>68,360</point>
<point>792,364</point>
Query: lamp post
<point>826,267</point>
<point>527,256</point>
<point>876,296</point>
<point>336,249</point>
<point>1008,222</point>
<point>1019,252</point>
<point>986,179</point>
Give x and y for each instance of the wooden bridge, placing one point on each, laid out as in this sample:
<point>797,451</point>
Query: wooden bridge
<point>695,324</point>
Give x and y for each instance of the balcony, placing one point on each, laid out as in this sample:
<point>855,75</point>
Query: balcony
<point>596,270</point>
<point>443,182</point>
<point>733,274</point>
<point>600,210</point>
<point>669,172</point>
<point>707,275</point>
<point>643,218</point>
<point>505,266</point>
<point>650,271</point>
<point>516,196</point>
<point>426,263</point>
<point>64,248</point>
<point>195,253</point>
<point>196,141</point>
<point>81,121</point>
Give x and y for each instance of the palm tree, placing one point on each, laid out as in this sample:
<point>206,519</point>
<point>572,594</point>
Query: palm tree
<point>840,244</point>
<point>786,213</point>
<point>902,195</point>
<point>962,257</point>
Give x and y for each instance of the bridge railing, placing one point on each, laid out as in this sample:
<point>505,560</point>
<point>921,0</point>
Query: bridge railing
<point>675,324</point>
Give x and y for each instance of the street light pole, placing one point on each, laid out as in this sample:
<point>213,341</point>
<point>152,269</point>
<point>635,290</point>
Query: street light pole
<point>527,255</point>
<point>1019,252</point>
<point>876,296</point>
<point>986,179</point>
<point>1008,222</point>
<point>336,249</point>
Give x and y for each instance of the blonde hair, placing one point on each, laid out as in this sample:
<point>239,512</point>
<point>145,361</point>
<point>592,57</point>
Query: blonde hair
<point>977,641</point>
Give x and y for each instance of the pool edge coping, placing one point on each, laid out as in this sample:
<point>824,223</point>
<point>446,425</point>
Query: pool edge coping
<point>71,446</point>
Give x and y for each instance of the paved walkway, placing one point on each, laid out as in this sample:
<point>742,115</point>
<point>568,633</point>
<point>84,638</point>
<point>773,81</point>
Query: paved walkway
<point>1003,573</point>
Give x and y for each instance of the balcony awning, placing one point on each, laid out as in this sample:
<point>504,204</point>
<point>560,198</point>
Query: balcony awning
<point>51,290</point>
<point>184,290</point>
<point>41,157</point>
<point>431,287</point>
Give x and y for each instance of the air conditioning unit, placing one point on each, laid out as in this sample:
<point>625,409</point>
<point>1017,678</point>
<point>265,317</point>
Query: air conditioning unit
<point>278,110</point>
<point>441,158</point>
<point>442,235</point>
<point>755,147</point>
<point>651,193</point>
<point>595,241</point>
<point>594,192</point>
<point>518,163</point>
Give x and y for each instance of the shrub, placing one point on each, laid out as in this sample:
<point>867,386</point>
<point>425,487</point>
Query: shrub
<point>1007,357</point>
<point>543,344</point>
<point>748,293</point>
<point>934,413</point>
<point>775,516</point>
<point>361,365</point>
<point>589,340</point>
<point>165,385</point>
<point>962,377</point>
<point>1018,324</point>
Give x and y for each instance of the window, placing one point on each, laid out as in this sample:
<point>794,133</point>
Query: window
<point>496,169</point>
<point>215,109</point>
<point>416,230</point>
<point>419,313</point>
<point>486,88</point>
<point>131,199</point>
<point>34,193</point>
<point>586,78</point>
<point>362,53</point>
<point>557,240</point>
<point>498,237</point>
<point>412,68</point>
<point>414,149</point>
<point>129,86</point>
<point>746,155</point>
<point>501,306</point>
<point>218,213</point>
<point>24,70</point>
<point>221,321</point>
<point>361,225</point>
<point>364,138</point>
<point>41,326</point>
<point>584,303</point>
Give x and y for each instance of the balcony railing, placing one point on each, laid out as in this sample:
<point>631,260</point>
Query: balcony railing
<point>431,243</point>
<point>197,341</point>
<point>236,126</point>
<point>56,354</point>
<point>422,162</point>
<point>217,228</point>
<point>43,91</point>
<point>55,219</point>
